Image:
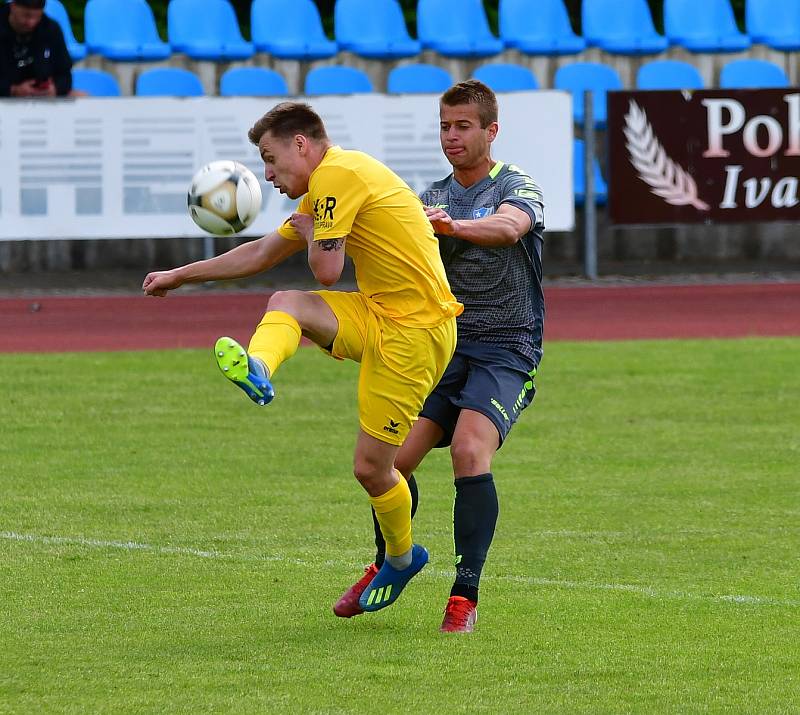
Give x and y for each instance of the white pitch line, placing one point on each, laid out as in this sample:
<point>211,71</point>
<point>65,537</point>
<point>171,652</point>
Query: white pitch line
<point>647,591</point>
<point>139,546</point>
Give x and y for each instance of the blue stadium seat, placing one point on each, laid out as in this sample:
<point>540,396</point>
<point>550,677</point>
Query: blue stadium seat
<point>456,31</point>
<point>252,82</point>
<point>776,24</point>
<point>579,180</point>
<point>538,27</point>
<point>336,79</point>
<point>373,28</point>
<point>168,82</point>
<point>503,77</point>
<point>622,27</point>
<point>668,74</point>
<point>55,10</point>
<point>95,83</point>
<point>752,74</point>
<point>707,26</point>
<point>581,76</point>
<point>289,30</point>
<point>206,30</point>
<point>123,30</point>
<point>419,78</point>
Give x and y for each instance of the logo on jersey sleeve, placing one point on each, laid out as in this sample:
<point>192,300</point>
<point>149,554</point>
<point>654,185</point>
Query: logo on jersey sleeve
<point>323,212</point>
<point>529,191</point>
<point>483,212</point>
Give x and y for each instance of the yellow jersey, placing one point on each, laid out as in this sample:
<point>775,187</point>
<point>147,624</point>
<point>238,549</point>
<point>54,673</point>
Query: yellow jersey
<point>396,255</point>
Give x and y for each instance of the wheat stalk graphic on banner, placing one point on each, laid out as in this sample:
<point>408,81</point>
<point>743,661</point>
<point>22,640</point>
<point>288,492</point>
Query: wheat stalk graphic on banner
<point>664,177</point>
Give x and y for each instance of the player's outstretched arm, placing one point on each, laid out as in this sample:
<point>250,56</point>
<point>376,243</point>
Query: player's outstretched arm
<point>245,260</point>
<point>503,228</point>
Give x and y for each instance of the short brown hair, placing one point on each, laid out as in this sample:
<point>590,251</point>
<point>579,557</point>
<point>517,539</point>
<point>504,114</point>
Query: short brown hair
<point>473,91</point>
<point>288,119</point>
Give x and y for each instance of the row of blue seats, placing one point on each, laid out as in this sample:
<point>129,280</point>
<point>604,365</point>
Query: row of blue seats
<point>125,30</point>
<point>580,77</point>
<point>335,79</point>
<point>576,78</point>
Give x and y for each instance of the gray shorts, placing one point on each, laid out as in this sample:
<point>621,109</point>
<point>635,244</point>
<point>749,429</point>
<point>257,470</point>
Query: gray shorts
<point>486,378</point>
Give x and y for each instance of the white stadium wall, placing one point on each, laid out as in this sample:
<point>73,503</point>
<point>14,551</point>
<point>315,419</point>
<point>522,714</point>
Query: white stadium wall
<point>121,167</point>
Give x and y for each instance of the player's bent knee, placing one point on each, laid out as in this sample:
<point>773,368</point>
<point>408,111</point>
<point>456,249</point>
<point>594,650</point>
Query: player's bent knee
<point>285,300</point>
<point>365,471</point>
<point>373,475</point>
<point>470,456</point>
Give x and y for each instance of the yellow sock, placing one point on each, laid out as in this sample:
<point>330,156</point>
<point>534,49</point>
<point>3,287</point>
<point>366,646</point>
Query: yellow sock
<point>275,340</point>
<point>393,511</point>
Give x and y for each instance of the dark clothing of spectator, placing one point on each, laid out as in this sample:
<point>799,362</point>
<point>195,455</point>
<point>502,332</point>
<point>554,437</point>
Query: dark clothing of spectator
<point>40,55</point>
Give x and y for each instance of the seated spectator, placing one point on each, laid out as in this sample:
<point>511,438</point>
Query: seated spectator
<point>34,61</point>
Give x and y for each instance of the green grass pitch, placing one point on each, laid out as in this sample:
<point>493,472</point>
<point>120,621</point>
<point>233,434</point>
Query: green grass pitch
<point>168,547</point>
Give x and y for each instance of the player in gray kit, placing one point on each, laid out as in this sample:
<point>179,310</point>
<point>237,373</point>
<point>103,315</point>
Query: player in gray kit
<point>489,218</point>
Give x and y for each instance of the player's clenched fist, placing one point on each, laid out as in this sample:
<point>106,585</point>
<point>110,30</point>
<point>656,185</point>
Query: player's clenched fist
<point>160,283</point>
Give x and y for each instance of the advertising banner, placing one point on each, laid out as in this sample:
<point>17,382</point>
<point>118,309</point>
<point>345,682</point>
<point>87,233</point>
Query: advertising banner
<point>121,167</point>
<point>714,156</point>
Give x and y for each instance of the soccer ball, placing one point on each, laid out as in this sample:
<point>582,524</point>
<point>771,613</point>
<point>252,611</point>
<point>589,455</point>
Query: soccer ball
<point>224,198</point>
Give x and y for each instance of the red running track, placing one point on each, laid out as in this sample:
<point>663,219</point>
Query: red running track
<point>195,320</point>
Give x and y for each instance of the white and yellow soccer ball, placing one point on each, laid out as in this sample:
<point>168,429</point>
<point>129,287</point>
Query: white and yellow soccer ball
<point>224,197</point>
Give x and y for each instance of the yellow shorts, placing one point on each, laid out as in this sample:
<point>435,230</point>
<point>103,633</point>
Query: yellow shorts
<point>399,365</point>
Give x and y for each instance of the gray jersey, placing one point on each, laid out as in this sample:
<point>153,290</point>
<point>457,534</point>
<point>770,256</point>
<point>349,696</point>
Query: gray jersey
<point>501,288</point>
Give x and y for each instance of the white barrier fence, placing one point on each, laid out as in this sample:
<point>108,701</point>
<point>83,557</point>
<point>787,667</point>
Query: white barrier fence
<point>120,168</point>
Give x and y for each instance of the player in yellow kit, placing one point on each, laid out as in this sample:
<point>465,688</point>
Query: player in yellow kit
<point>400,324</point>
